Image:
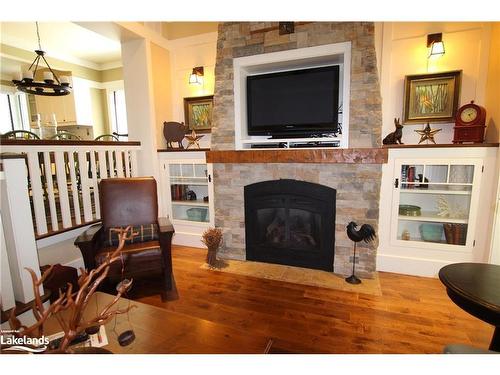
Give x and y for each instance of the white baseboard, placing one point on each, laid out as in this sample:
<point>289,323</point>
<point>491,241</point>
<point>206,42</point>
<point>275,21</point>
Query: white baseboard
<point>409,266</point>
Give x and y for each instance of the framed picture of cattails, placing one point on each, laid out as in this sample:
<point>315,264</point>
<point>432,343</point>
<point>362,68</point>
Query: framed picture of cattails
<point>198,113</point>
<point>431,97</point>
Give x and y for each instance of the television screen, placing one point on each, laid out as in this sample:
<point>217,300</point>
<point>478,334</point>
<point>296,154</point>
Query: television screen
<point>293,102</point>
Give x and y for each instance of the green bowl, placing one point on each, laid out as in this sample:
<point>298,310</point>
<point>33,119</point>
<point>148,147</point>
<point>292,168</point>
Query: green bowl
<point>409,210</point>
<point>431,232</point>
<point>197,214</point>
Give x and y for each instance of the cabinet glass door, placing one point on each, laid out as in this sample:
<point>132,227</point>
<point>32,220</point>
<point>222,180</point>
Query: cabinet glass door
<point>189,192</point>
<point>434,202</point>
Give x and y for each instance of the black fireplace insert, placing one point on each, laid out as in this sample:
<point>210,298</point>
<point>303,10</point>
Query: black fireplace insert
<point>290,222</point>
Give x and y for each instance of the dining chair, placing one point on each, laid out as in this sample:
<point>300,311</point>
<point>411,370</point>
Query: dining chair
<point>66,136</point>
<point>107,137</point>
<point>19,134</point>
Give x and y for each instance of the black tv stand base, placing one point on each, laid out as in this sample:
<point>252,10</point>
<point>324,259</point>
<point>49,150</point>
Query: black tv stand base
<point>300,144</point>
<point>294,136</point>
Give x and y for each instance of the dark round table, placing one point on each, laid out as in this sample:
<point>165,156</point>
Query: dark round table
<point>475,287</point>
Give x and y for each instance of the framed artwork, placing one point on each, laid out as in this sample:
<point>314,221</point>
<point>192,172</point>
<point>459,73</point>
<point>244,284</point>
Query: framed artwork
<point>198,113</point>
<point>431,97</point>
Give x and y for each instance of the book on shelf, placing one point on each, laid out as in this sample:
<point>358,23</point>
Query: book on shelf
<point>178,192</point>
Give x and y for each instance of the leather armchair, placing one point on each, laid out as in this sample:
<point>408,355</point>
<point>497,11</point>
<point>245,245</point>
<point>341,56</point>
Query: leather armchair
<point>123,202</point>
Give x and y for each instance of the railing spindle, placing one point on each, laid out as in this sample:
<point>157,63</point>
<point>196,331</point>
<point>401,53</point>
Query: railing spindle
<point>93,166</point>
<point>74,188</point>
<point>133,162</point>
<point>37,192</point>
<point>126,157</point>
<point>103,169</point>
<point>85,185</point>
<point>119,162</point>
<point>50,190</point>
<point>111,164</point>
<point>62,188</point>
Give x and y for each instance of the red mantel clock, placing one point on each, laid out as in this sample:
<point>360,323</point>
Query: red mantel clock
<point>470,124</point>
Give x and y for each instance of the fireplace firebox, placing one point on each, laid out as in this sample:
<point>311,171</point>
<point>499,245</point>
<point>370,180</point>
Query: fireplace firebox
<point>290,222</point>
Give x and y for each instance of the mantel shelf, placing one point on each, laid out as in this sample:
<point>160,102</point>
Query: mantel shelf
<point>338,155</point>
<point>443,145</point>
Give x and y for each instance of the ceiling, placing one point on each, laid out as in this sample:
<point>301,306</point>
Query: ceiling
<point>63,40</point>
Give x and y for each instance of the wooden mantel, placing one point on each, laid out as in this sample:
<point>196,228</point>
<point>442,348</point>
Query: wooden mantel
<point>337,155</point>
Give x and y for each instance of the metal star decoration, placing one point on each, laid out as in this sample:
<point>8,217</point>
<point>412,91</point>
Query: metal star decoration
<point>427,134</point>
<point>193,139</point>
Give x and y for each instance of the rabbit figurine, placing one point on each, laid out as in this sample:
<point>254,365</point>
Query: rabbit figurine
<point>394,137</point>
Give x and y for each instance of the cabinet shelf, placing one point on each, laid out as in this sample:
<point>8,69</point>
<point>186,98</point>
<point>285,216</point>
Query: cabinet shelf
<point>187,178</point>
<point>432,217</point>
<point>431,191</point>
<point>419,239</point>
<point>196,203</point>
<point>185,221</point>
<point>194,183</point>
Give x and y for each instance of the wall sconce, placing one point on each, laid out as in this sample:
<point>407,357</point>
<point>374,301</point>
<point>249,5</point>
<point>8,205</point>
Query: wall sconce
<point>196,77</point>
<point>435,44</point>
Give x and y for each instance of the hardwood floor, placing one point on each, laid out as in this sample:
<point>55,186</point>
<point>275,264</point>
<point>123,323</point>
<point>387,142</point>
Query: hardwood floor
<point>413,315</point>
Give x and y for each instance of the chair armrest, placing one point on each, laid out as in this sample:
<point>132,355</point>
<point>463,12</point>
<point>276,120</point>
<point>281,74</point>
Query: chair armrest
<point>89,242</point>
<point>165,233</point>
<point>164,225</point>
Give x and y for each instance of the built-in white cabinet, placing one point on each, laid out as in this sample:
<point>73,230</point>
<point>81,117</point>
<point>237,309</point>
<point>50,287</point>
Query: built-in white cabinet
<point>187,194</point>
<point>435,203</point>
<point>436,208</point>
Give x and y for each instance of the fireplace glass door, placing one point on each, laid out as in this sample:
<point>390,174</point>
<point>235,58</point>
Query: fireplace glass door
<point>290,225</point>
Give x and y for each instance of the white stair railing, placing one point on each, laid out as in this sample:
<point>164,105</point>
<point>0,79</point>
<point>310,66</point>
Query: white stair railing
<point>63,180</point>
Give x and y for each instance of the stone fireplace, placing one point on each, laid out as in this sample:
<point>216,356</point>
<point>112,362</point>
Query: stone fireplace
<point>290,222</point>
<point>356,181</point>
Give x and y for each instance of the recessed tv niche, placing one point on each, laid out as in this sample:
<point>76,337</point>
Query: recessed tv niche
<point>294,103</point>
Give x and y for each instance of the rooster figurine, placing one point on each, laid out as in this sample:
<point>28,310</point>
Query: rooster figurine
<point>365,233</point>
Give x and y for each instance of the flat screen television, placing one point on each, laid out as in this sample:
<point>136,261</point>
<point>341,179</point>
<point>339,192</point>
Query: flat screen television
<point>293,103</point>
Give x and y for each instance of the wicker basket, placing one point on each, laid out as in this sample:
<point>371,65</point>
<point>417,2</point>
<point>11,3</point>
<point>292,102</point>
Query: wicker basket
<point>455,234</point>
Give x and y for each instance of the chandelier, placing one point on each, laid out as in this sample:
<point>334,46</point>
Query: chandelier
<point>51,84</point>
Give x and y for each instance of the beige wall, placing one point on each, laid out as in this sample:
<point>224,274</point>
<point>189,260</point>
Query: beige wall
<point>160,66</point>
<point>404,52</point>
<point>200,51</point>
<point>176,30</point>
<point>493,87</point>
<point>6,83</point>
<point>76,70</point>
<point>99,112</point>
<point>109,75</point>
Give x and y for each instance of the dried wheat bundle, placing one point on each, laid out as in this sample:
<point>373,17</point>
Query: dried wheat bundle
<point>212,238</point>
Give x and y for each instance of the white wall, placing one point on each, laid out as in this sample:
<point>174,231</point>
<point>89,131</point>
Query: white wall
<point>7,300</point>
<point>139,96</point>
<point>185,54</point>
<point>404,52</point>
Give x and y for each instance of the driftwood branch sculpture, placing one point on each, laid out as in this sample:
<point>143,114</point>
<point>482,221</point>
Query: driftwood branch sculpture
<point>74,303</point>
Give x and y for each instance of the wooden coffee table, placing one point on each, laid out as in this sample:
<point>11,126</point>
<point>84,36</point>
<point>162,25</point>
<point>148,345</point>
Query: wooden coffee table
<point>160,331</point>
<point>475,287</point>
